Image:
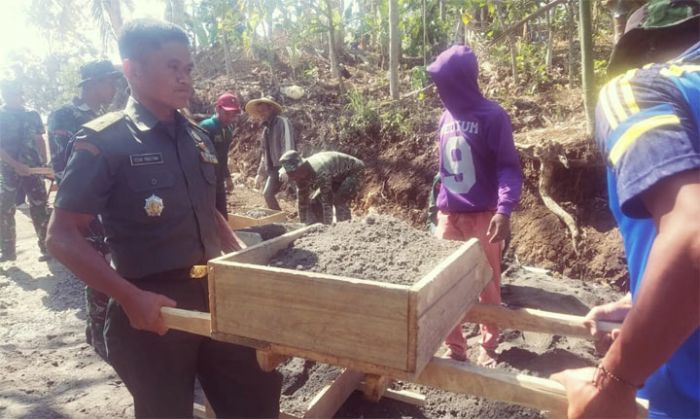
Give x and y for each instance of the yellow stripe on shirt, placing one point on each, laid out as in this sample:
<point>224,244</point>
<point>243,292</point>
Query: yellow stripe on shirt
<point>614,100</point>
<point>627,93</point>
<point>637,130</point>
<point>603,99</point>
<point>674,70</point>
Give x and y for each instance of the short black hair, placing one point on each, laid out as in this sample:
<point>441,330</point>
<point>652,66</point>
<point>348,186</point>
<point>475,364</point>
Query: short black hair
<point>141,36</point>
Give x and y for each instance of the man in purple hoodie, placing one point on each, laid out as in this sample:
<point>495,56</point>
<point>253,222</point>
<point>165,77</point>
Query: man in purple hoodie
<point>480,174</point>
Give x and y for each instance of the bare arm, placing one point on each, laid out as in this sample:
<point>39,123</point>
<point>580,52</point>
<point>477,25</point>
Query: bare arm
<point>65,241</point>
<point>230,242</point>
<point>666,310</point>
<point>21,168</point>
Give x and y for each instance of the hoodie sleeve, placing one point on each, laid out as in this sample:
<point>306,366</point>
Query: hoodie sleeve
<point>509,172</point>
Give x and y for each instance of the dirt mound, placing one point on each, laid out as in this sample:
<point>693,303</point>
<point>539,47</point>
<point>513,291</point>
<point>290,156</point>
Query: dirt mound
<point>577,183</point>
<point>375,247</point>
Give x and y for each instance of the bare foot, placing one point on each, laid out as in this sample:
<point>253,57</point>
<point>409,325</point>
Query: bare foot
<point>487,358</point>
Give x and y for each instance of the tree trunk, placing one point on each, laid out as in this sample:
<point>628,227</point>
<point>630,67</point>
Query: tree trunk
<point>512,44</point>
<point>340,30</point>
<point>425,33</point>
<point>332,42</point>
<point>227,54</point>
<point>175,12</point>
<point>550,40</point>
<point>268,13</point>
<point>394,47</point>
<point>586,39</point>
<point>571,20</point>
<point>114,11</point>
<point>441,9</point>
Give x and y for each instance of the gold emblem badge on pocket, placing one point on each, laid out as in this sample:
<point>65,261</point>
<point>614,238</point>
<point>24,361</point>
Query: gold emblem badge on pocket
<point>154,206</point>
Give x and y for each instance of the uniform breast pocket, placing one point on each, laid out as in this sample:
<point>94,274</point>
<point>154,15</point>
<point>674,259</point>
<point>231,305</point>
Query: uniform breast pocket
<point>146,180</point>
<point>154,198</point>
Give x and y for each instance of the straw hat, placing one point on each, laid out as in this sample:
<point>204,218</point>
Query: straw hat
<point>253,106</point>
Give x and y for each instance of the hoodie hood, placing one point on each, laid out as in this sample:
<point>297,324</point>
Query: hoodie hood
<point>455,72</point>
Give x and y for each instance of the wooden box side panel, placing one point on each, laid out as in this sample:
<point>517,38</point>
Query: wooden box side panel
<point>261,253</point>
<point>237,221</point>
<point>446,274</point>
<point>344,318</point>
<point>459,286</point>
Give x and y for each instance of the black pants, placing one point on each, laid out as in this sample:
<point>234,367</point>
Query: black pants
<point>159,371</point>
<point>272,187</point>
<point>221,204</point>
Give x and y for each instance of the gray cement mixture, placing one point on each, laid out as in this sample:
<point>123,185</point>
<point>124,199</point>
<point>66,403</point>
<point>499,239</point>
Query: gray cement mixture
<point>257,213</point>
<point>376,247</point>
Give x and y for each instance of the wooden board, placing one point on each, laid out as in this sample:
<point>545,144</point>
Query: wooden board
<point>320,313</point>
<point>238,221</point>
<point>528,319</point>
<point>354,322</point>
<point>191,321</point>
<point>494,384</point>
<point>328,401</point>
<point>445,374</point>
<point>42,171</point>
<point>450,290</point>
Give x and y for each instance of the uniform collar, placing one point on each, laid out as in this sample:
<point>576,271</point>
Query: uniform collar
<point>139,115</point>
<point>81,105</point>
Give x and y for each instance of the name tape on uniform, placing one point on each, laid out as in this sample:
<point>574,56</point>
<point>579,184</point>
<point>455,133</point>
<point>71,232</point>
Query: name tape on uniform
<point>146,159</point>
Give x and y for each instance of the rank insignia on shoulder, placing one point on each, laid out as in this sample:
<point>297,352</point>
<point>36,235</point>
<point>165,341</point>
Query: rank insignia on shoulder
<point>206,155</point>
<point>154,206</point>
<point>209,157</point>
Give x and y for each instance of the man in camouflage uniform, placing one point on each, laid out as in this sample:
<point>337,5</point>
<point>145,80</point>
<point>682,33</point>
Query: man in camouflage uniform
<point>21,149</point>
<point>98,86</point>
<point>325,181</point>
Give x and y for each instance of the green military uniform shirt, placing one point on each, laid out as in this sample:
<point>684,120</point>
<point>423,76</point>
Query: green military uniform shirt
<point>18,131</point>
<point>330,168</point>
<point>64,123</point>
<point>153,184</point>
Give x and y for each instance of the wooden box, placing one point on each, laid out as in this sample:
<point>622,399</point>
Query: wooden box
<point>238,221</point>
<point>371,326</point>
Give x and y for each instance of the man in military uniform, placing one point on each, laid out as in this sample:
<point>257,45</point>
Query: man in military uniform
<point>220,128</point>
<point>277,138</point>
<point>97,89</point>
<point>21,149</point>
<point>325,181</point>
<point>150,174</point>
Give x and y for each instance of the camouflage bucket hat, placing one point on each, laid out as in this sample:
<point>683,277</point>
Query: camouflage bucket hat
<point>96,70</point>
<point>291,160</point>
<point>656,17</point>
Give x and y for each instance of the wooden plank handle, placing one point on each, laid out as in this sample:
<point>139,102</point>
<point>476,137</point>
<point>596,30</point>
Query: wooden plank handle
<point>187,320</point>
<point>494,384</point>
<point>533,320</point>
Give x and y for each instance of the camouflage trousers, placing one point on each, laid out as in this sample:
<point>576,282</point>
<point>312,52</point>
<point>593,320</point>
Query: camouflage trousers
<point>95,301</point>
<point>34,188</point>
<point>343,192</point>
<point>96,304</point>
